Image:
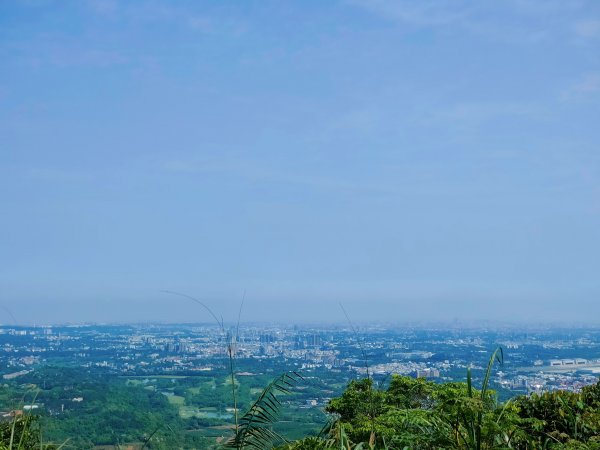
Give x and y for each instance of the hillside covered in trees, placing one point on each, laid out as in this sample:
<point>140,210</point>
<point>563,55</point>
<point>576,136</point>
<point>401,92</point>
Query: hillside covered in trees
<point>404,413</point>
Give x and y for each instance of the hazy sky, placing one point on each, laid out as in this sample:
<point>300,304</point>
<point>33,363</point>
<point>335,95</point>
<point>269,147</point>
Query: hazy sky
<point>413,159</point>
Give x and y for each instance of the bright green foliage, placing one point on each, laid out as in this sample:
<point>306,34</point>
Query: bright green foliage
<point>338,440</point>
<point>410,393</point>
<point>364,411</point>
<point>420,414</point>
<point>454,416</point>
<point>309,443</point>
<point>563,418</point>
<point>22,433</point>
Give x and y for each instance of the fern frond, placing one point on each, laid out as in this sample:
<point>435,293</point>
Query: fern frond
<point>255,430</point>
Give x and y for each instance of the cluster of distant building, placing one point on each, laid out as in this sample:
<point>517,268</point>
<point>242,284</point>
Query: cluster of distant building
<point>414,352</point>
<point>568,362</point>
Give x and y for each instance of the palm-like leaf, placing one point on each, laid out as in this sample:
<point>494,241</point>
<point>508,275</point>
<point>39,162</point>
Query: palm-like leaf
<point>498,355</point>
<point>255,426</point>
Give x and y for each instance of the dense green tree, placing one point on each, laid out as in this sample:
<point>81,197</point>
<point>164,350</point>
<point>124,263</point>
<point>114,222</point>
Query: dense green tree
<point>419,414</point>
<point>562,417</point>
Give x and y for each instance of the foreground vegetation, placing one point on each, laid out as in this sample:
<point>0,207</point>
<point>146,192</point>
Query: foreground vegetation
<point>419,414</point>
<point>408,413</point>
<point>401,413</point>
<point>414,413</point>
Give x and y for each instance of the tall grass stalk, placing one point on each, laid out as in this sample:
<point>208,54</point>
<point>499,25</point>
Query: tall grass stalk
<point>371,381</point>
<point>474,426</point>
<point>22,434</point>
<point>230,345</point>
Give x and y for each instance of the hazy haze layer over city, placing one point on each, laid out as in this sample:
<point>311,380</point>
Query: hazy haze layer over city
<point>413,160</point>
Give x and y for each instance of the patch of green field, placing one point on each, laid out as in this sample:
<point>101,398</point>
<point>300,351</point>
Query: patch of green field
<point>295,430</point>
<point>176,400</point>
<point>131,377</point>
<point>228,381</point>
<point>185,412</point>
<point>131,445</point>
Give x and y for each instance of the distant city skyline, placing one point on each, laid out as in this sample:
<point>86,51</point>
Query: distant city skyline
<point>415,160</point>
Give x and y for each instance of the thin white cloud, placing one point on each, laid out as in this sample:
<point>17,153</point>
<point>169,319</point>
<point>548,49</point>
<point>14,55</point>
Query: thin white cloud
<point>103,7</point>
<point>516,21</point>
<point>588,85</point>
<point>588,29</point>
<point>59,51</point>
<point>250,170</point>
<point>421,13</point>
<point>196,18</point>
<point>58,175</point>
<point>479,111</point>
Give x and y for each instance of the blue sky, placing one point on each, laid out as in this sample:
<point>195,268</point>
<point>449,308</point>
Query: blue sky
<point>416,160</point>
